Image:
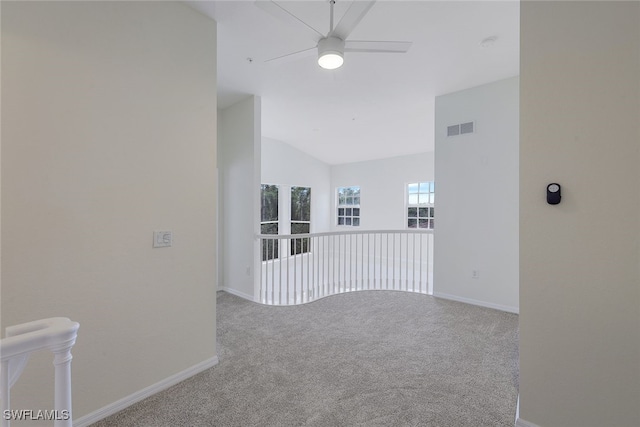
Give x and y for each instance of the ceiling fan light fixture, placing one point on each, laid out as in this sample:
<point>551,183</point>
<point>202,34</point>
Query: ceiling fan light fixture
<point>331,53</point>
<point>331,61</point>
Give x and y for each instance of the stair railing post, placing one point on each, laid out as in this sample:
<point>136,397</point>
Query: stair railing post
<point>62,397</point>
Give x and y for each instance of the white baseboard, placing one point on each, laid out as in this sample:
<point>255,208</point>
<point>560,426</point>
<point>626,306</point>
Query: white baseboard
<point>127,401</point>
<point>522,423</point>
<point>471,301</point>
<point>238,293</point>
<point>519,421</point>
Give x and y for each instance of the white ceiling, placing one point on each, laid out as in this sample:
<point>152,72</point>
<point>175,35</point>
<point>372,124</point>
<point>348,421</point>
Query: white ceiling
<point>376,105</point>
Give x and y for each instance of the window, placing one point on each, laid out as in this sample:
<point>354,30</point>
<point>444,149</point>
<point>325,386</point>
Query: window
<point>269,219</point>
<point>349,206</point>
<point>300,218</point>
<point>420,205</point>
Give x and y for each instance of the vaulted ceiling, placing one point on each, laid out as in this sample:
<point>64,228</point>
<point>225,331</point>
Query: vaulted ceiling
<point>376,105</point>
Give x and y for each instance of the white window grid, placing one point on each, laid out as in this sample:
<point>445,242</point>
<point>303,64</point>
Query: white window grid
<point>348,206</point>
<point>420,205</point>
<point>300,245</point>
<point>269,220</point>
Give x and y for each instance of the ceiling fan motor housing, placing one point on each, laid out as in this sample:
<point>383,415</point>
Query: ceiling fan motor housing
<point>330,52</point>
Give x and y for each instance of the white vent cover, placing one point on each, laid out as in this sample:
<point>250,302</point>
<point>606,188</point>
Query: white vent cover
<point>460,129</point>
<point>466,128</point>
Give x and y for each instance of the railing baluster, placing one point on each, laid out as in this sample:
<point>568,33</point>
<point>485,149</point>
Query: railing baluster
<point>380,263</point>
<point>400,261</point>
<point>281,265</point>
<point>361,252</point>
<point>368,272</point>
<point>362,261</point>
<point>273,271</point>
<point>406,265</point>
<point>288,296</point>
<point>394,262</point>
<point>349,257</point>
<point>319,270</point>
<point>314,267</point>
<point>429,284</point>
<point>322,261</point>
<point>413,260</point>
<point>325,265</point>
<point>334,268</point>
<point>375,246</point>
<point>340,266</point>
<point>264,249</point>
<point>346,251</point>
<point>260,284</point>
<point>386,286</point>
<point>344,264</point>
<point>314,273</point>
<point>355,261</point>
<point>421,238</point>
<point>308,268</point>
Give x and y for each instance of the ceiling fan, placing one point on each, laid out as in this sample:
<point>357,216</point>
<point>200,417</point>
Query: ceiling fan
<point>332,46</point>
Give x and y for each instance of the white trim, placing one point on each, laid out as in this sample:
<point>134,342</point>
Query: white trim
<point>127,401</point>
<point>522,423</point>
<point>519,421</point>
<point>238,293</point>
<point>471,301</point>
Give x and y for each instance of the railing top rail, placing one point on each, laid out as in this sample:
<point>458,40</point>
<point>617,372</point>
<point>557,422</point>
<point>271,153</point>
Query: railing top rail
<point>37,335</point>
<point>339,233</point>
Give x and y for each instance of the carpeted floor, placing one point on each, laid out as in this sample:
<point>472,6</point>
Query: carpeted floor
<point>377,358</point>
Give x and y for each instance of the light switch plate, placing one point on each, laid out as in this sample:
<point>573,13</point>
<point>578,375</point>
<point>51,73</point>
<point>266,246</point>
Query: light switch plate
<point>162,239</point>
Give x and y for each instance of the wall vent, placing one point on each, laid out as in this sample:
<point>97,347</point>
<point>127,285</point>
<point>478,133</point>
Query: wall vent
<point>466,128</point>
<point>460,129</point>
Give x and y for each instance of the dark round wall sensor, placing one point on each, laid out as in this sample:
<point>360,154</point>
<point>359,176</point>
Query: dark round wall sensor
<point>553,194</point>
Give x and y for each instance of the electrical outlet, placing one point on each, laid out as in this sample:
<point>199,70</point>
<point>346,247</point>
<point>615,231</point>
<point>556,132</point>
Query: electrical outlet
<point>248,271</point>
<point>475,274</point>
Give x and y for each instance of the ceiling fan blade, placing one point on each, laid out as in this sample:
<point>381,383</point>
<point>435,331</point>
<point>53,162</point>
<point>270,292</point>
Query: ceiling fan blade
<point>351,18</point>
<point>375,46</point>
<point>289,18</point>
<point>293,56</point>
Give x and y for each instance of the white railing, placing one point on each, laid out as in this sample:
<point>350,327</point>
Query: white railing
<point>300,268</point>
<point>57,334</point>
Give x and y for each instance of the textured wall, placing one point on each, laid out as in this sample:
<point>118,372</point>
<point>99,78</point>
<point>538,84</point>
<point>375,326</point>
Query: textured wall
<point>109,133</point>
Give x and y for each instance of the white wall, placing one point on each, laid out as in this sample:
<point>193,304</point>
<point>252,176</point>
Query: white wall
<point>108,133</point>
<point>239,167</point>
<point>382,188</point>
<point>284,165</point>
<point>477,196</point>
<point>579,275</point>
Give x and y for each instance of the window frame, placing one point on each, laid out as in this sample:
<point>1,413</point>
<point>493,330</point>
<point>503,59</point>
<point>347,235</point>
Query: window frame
<point>353,219</point>
<point>274,251</point>
<point>284,224</point>
<point>299,245</point>
<point>424,210</point>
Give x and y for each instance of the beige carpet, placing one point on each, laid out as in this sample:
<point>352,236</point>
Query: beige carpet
<point>376,358</point>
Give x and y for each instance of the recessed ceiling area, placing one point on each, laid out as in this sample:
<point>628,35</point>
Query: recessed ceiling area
<point>376,105</point>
